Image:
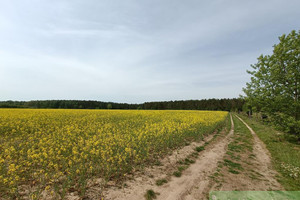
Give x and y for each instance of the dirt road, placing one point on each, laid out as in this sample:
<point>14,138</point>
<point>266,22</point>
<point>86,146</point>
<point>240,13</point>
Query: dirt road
<point>230,161</point>
<point>263,164</point>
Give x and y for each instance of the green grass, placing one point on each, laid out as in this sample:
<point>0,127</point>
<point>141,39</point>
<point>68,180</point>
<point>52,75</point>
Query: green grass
<point>232,164</point>
<point>228,123</point>
<point>233,171</point>
<point>150,194</point>
<point>188,161</point>
<point>284,149</point>
<point>160,182</point>
<point>177,173</point>
<point>157,163</point>
<point>232,156</point>
<point>181,168</point>
<point>200,148</point>
<point>242,139</point>
<point>194,155</point>
<point>234,147</point>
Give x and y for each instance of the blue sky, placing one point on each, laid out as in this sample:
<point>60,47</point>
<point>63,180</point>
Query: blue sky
<point>135,51</point>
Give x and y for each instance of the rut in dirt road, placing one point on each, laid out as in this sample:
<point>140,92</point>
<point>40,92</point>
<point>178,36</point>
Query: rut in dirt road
<point>195,182</point>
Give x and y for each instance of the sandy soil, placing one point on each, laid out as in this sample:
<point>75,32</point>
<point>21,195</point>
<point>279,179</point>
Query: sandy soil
<point>257,173</point>
<point>262,164</point>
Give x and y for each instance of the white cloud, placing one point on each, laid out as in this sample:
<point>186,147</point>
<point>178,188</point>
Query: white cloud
<point>135,51</point>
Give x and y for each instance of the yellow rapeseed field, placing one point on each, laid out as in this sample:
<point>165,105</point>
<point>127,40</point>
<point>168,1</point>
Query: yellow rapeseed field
<point>64,148</point>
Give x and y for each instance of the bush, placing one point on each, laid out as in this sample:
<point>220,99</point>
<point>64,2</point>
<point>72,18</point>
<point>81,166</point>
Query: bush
<point>286,123</point>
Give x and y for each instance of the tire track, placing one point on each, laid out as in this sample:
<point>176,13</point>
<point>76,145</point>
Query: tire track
<point>263,161</point>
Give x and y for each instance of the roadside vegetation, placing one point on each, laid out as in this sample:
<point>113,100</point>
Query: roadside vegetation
<point>272,102</point>
<point>150,194</point>
<point>274,89</point>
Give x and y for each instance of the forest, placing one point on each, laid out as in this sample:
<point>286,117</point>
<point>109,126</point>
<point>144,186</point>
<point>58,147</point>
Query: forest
<point>233,104</point>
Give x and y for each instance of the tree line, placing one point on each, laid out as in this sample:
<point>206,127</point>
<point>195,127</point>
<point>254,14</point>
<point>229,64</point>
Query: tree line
<point>204,104</point>
<point>66,104</point>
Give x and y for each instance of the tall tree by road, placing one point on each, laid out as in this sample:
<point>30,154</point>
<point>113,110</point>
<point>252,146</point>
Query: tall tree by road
<point>275,81</point>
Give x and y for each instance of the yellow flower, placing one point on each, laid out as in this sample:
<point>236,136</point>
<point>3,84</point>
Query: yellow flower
<point>47,187</point>
<point>60,144</point>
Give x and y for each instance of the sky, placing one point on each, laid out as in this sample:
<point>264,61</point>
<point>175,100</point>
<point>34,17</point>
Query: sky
<point>136,51</point>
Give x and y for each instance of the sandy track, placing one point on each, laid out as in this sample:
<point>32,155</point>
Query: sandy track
<point>255,172</point>
<point>194,180</point>
<point>263,162</point>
